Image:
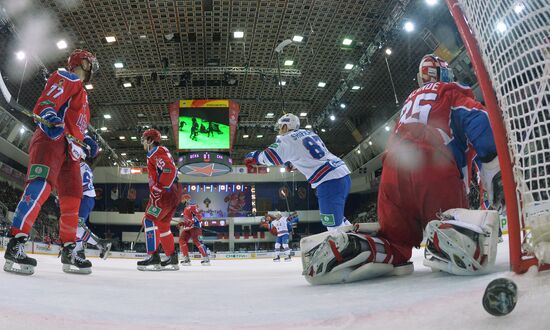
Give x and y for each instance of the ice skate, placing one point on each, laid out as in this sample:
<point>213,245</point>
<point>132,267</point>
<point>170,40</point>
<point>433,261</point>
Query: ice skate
<point>277,258</point>
<point>72,260</point>
<point>104,248</point>
<point>17,260</point>
<point>205,261</point>
<point>288,258</point>
<point>170,262</point>
<point>185,261</point>
<point>151,263</point>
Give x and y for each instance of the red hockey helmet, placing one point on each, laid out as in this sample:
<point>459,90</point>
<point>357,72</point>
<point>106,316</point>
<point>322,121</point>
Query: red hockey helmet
<point>433,69</point>
<point>75,60</point>
<point>150,134</point>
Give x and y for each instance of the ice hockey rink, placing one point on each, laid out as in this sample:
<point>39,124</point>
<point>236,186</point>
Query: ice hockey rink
<point>259,294</point>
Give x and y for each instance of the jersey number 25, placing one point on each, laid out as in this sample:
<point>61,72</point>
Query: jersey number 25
<point>414,112</point>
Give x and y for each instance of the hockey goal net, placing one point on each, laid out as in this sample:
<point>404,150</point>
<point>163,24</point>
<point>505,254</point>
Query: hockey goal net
<point>509,44</point>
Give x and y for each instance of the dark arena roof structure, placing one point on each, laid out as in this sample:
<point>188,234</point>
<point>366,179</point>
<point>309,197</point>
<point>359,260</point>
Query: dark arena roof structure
<point>176,49</point>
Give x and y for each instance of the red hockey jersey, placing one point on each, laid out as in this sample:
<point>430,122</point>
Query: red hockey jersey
<point>161,167</point>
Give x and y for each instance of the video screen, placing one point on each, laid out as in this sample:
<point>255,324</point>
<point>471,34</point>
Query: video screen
<point>204,125</point>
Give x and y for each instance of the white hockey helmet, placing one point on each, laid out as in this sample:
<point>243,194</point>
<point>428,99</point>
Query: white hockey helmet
<point>433,69</point>
<point>291,121</point>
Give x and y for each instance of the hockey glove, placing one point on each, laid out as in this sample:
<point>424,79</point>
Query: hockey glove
<point>54,125</point>
<point>289,167</point>
<point>92,149</point>
<point>251,160</point>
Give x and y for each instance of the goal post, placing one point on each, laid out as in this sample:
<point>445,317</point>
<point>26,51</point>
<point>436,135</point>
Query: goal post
<point>508,44</point>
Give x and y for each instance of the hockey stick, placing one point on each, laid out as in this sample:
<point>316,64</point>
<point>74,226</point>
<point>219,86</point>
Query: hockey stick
<point>137,237</point>
<point>18,107</point>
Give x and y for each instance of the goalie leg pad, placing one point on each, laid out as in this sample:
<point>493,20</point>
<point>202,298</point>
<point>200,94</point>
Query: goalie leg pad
<point>463,242</point>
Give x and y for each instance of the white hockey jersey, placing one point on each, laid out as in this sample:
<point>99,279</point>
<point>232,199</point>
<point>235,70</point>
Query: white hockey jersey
<point>307,153</point>
<point>87,180</point>
<point>281,225</point>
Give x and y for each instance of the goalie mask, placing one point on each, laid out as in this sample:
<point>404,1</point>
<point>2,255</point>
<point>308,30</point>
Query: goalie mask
<point>291,121</point>
<point>433,69</point>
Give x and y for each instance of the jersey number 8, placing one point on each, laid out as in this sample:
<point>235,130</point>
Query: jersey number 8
<point>315,150</point>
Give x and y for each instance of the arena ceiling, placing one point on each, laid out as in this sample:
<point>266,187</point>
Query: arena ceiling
<point>176,49</point>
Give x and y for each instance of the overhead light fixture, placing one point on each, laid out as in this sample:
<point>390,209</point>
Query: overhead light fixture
<point>122,137</point>
<point>164,137</point>
<point>269,115</point>
<point>388,51</point>
<point>289,62</point>
<point>332,117</point>
<point>143,36</point>
<point>431,2</point>
<point>246,136</point>
<point>110,39</point>
<point>238,34</point>
<point>89,86</point>
<point>342,105</point>
<point>107,116</point>
<point>20,55</point>
<point>347,42</point>
<point>119,65</point>
<point>127,84</point>
<point>323,130</point>
<point>114,164</point>
<point>133,138</point>
<point>370,143</point>
<point>519,7</point>
<point>140,115</point>
<point>22,130</point>
<point>356,87</point>
<point>123,154</point>
<point>501,27</point>
<point>303,114</point>
<point>358,151</point>
<point>387,128</point>
<point>282,83</point>
<point>321,84</point>
<point>297,38</point>
<point>308,126</point>
<point>259,136</point>
<point>348,66</point>
<point>103,128</point>
<point>61,44</point>
<point>408,26</point>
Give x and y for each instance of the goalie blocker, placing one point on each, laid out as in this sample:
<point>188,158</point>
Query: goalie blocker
<point>461,242</point>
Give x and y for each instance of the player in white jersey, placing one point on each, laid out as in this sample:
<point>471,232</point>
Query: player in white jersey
<point>283,226</point>
<point>83,233</point>
<point>305,151</point>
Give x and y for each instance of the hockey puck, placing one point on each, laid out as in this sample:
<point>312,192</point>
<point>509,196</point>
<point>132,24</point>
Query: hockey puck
<point>500,297</point>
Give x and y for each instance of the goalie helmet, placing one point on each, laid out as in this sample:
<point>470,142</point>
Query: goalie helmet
<point>75,60</point>
<point>291,121</point>
<point>433,69</point>
<point>150,134</point>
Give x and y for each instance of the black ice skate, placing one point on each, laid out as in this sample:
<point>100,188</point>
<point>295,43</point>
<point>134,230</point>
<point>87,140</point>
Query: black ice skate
<point>277,258</point>
<point>74,262</point>
<point>17,260</point>
<point>205,261</point>
<point>151,263</point>
<point>170,262</point>
<point>287,258</point>
<point>185,261</point>
<point>104,248</point>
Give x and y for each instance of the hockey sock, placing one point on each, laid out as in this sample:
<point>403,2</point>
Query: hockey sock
<point>79,245</point>
<point>166,238</point>
<point>183,246</point>
<point>35,194</point>
<point>200,247</point>
<point>85,234</point>
<point>68,222</point>
<point>151,236</point>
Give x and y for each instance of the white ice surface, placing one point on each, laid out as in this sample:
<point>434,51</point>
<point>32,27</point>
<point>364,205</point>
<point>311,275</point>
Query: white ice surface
<point>250,294</point>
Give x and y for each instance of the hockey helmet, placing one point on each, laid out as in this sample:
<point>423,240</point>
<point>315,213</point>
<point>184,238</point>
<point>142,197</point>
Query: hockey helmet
<point>150,134</point>
<point>291,121</point>
<point>275,214</point>
<point>433,69</point>
<point>75,60</point>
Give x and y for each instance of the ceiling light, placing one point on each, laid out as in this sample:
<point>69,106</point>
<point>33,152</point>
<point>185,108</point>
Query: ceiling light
<point>122,137</point>
<point>119,65</point>
<point>269,115</point>
<point>259,136</point>
<point>103,128</point>
<point>347,42</point>
<point>282,170</point>
<point>110,39</point>
<point>89,86</point>
<point>356,87</point>
<point>348,66</point>
<point>114,164</point>
<point>342,105</point>
<point>20,55</point>
<point>370,143</point>
<point>123,154</point>
<point>388,51</point>
<point>164,137</point>
<point>501,27</point>
<point>297,38</point>
<point>238,34</point>
<point>22,130</point>
<point>127,84</point>
<point>143,36</point>
<point>107,116</point>
<point>246,136</point>
<point>308,126</point>
<point>282,83</point>
<point>321,84</point>
<point>61,44</point>
<point>289,62</point>
<point>303,114</point>
<point>387,128</point>
<point>431,2</point>
<point>323,130</point>
<point>408,26</point>
<point>332,117</point>
<point>133,138</point>
<point>358,151</point>
<point>519,7</point>
<point>140,115</point>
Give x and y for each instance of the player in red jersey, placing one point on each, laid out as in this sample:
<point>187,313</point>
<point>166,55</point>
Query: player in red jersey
<point>54,163</point>
<point>164,197</point>
<point>422,180</point>
<point>191,227</point>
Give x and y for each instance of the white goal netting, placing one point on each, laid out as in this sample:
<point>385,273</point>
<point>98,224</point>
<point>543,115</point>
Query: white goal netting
<point>514,40</point>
